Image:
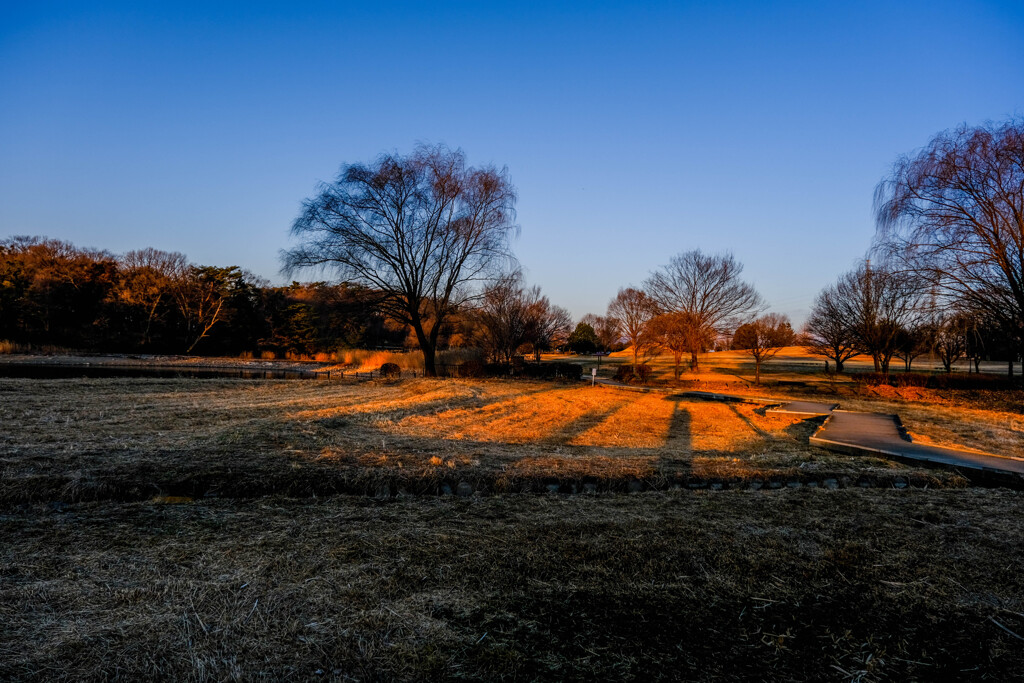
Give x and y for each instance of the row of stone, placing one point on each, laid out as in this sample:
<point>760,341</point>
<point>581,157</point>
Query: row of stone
<point>466,489</point>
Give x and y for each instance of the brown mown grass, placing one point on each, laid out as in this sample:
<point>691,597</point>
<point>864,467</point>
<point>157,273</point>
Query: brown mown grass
<point>177,529</point>
<point>94,439</point>
<point>865,585</point>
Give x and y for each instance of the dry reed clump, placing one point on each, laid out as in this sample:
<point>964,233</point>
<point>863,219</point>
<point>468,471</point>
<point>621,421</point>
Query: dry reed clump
<point>9,347</point>
<point>792,585</point>
<point>361,360</point>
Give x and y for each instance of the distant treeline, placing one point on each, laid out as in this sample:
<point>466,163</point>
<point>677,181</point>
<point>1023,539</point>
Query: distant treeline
<point>55,294</point>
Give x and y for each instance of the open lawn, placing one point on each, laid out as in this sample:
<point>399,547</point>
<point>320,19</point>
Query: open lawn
<point>96,439</point>
<point>207,530</point>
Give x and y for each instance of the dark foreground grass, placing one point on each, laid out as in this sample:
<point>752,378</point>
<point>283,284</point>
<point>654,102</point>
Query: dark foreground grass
<point>782,585</point>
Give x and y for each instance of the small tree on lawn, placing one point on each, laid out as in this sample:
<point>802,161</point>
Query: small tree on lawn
<point>678,333</point>
<point>632,309</point>
<point>763,338</point>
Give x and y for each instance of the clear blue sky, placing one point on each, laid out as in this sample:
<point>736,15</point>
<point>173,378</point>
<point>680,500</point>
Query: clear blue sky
<point>632,133</point>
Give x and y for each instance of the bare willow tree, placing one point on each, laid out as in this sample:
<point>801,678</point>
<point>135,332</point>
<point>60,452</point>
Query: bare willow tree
<point>828,332</point>
<point>953,212</point>
<point>632,309</point>
<point>708,291</point>
<point>422,231</point>
<point>763,339</point>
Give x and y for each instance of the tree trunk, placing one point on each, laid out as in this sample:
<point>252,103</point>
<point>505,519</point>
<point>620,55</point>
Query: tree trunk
<point>427,346</point>
<point>839,365</point>
<point>693,361</point>
<point>757,372</point>
<point>429,367</point>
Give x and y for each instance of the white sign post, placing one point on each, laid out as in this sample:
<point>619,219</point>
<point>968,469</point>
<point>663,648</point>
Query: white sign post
<point>593,376</point>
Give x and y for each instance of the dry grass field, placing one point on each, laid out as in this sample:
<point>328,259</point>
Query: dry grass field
<point>236,530</point>
<point>95,439</point>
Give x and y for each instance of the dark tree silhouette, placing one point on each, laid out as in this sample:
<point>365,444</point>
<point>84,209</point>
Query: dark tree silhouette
<point>828,332</point>
<point>424,231</point>
<point>583,339</point>
<point>878,303</point>
<point>954,213</point>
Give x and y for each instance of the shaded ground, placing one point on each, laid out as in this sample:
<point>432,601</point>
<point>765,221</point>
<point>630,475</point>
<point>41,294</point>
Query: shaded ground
<point>789,585</point>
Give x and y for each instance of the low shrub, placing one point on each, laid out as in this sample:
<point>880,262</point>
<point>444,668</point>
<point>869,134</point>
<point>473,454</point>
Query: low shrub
<point>956,380</point>
<point>390,370</point>
<point>627,373</point>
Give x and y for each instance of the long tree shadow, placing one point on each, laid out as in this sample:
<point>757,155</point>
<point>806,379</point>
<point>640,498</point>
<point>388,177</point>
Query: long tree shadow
<point>757,430</point>
<point>677,452</point>
<point>574,428</point>
<point>411,407</point>
<point>679,436</point>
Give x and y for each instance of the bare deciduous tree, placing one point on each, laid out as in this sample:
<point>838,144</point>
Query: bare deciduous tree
<point>678,333</point>
<point>551,326</point>
<point>878,303</point>
<point>951,336</point>
<point>200,293</point>
<point>148,281</point>
<point>763,339</point>
<point>423,231</point>
<point>511,315</point>
<point>916,338</point>
<point>828,332</point>
<point>707,290</point>
<point>633,310</point>
<point>954,213</point>
<point>605,328</point>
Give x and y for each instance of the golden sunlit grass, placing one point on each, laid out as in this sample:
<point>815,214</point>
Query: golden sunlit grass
<point>644,421</point>
<point>793,364</point>
<point>131,439</point>
<point>178,529</point>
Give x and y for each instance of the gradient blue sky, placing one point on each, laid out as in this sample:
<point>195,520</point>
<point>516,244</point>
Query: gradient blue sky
<point>632,132</point>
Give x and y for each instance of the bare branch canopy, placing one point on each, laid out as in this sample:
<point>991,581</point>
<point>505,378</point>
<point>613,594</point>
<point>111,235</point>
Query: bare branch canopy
<point>425,232</point>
